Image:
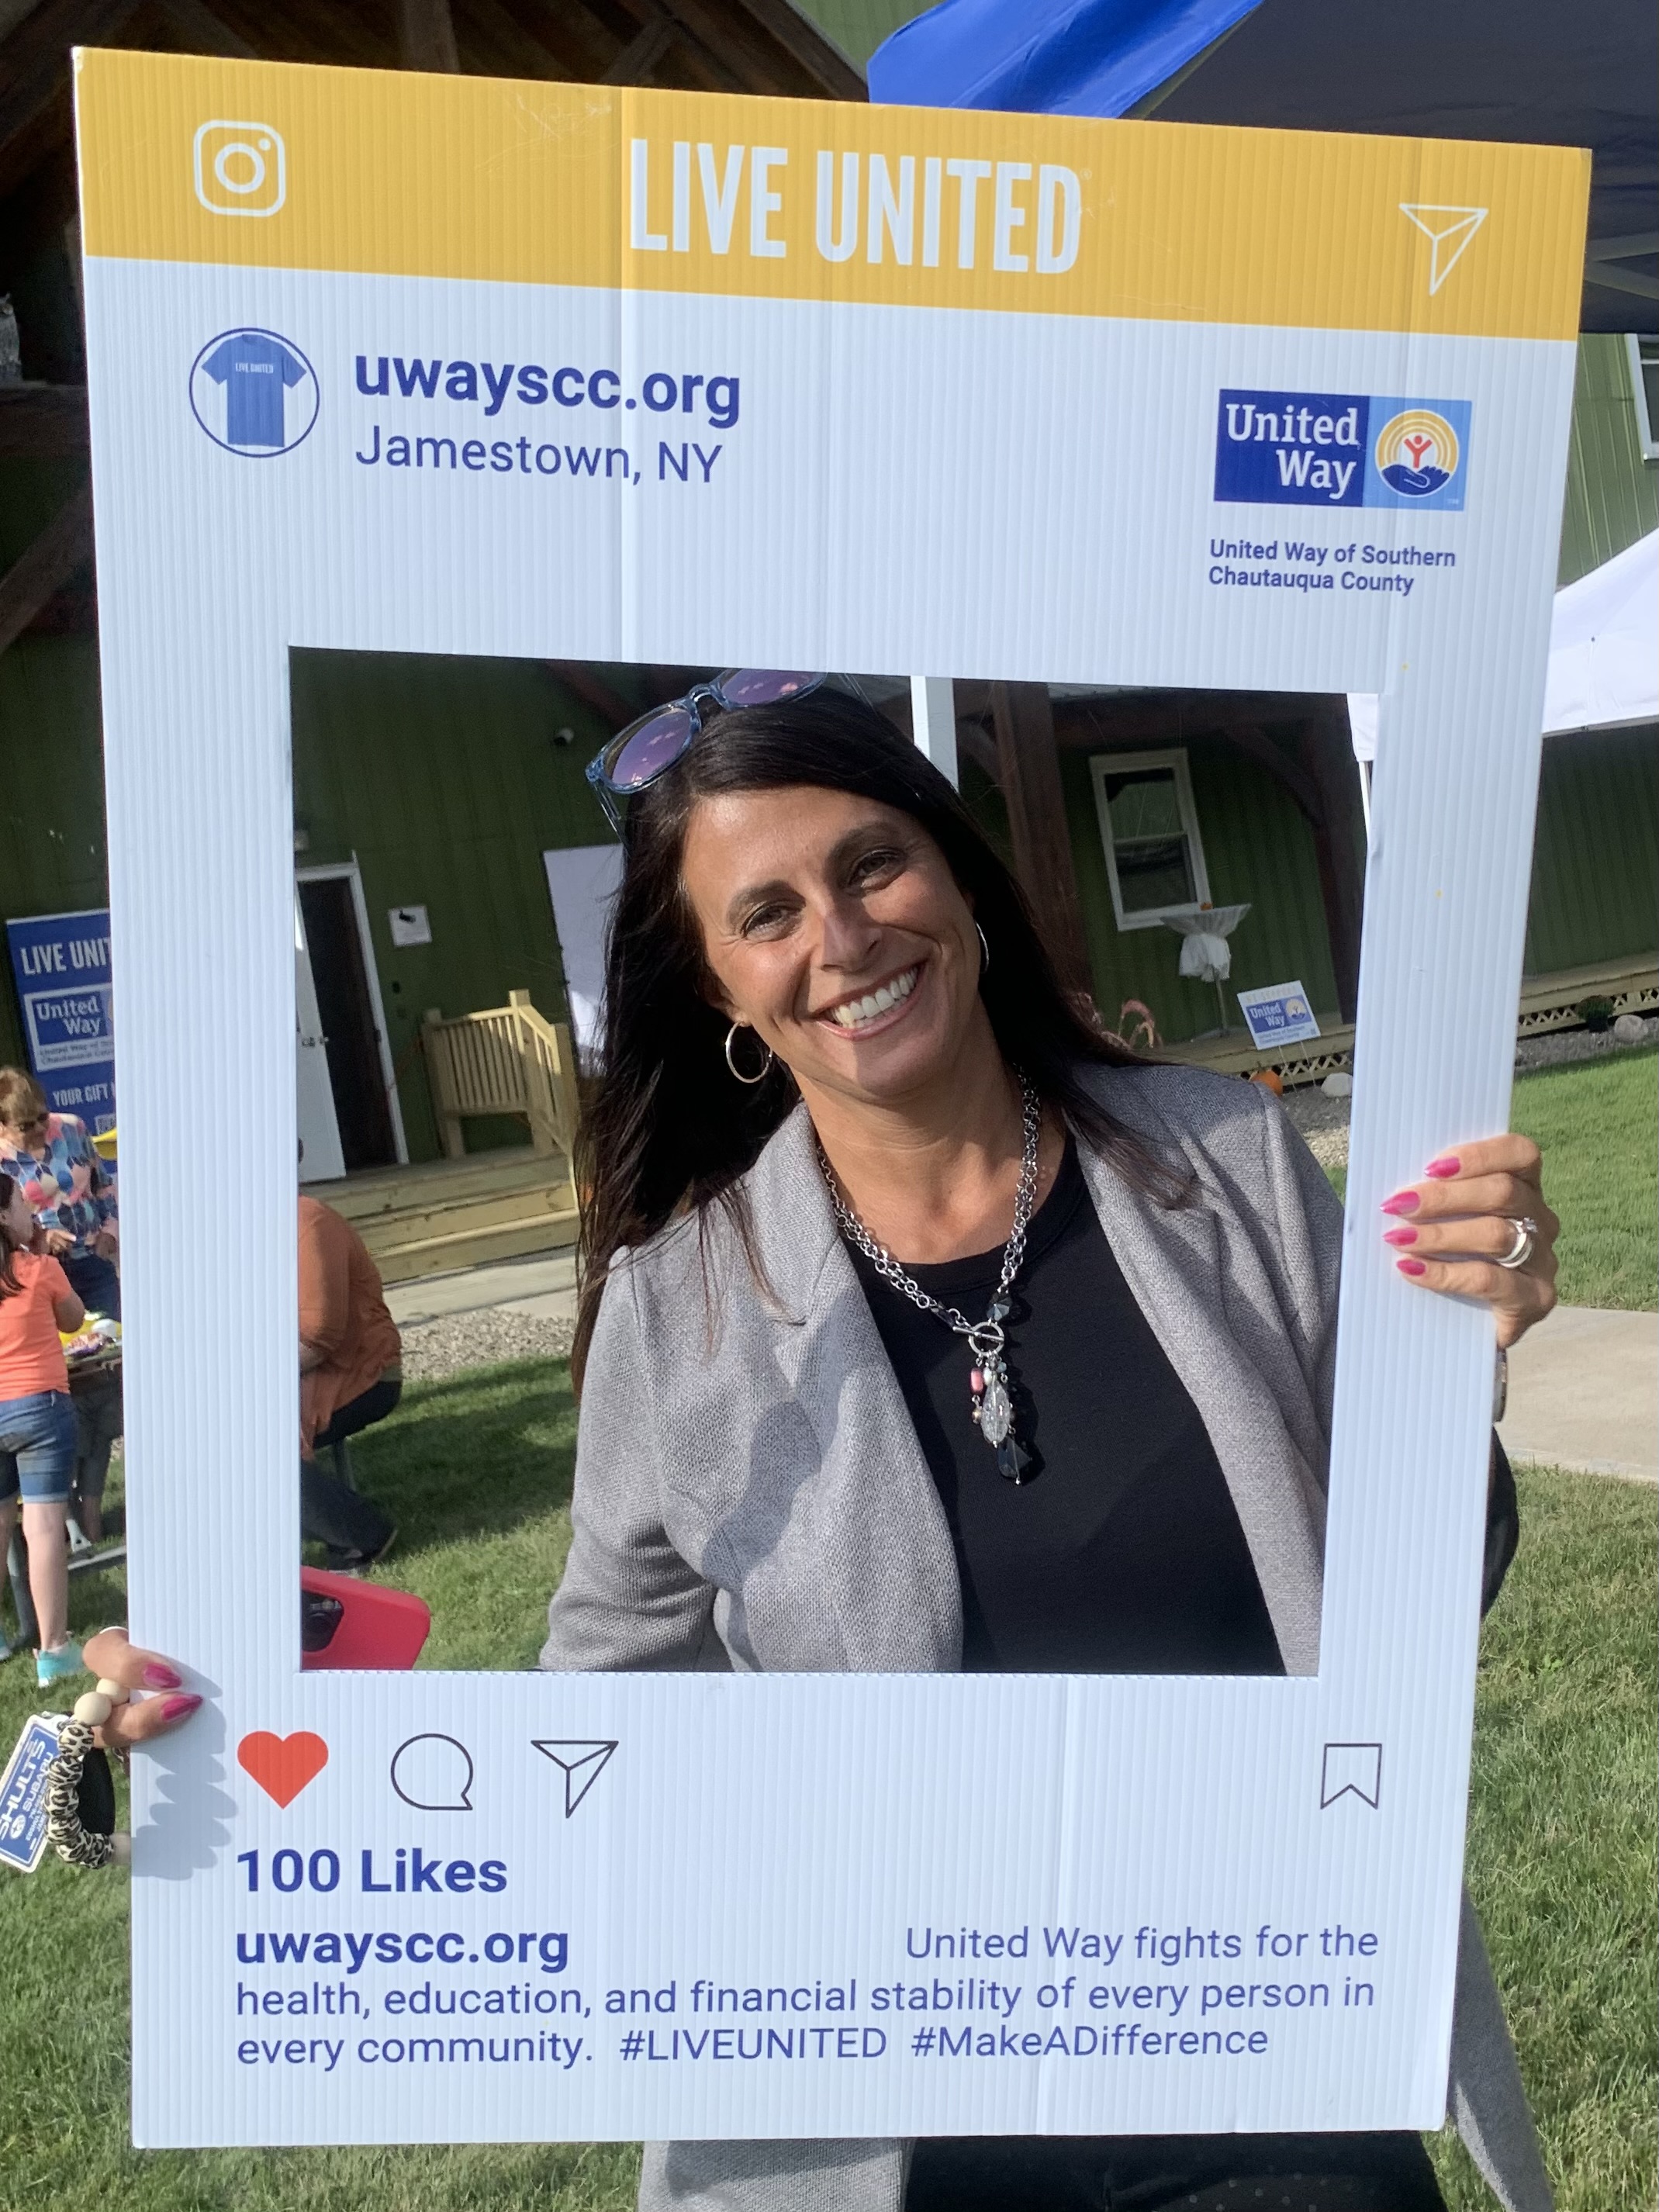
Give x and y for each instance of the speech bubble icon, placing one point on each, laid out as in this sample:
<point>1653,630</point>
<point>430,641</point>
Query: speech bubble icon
<point>1352,1770</point>
<point>433,1772</point>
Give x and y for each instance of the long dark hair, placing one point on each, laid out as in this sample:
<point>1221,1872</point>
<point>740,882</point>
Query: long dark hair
<point>668,1130</point>
<point>9,1284</point>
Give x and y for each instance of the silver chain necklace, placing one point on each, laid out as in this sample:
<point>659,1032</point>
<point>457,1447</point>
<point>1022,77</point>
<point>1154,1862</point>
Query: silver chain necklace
<point>987,1339</point>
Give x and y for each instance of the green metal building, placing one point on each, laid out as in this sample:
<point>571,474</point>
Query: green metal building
<point>440,784</point>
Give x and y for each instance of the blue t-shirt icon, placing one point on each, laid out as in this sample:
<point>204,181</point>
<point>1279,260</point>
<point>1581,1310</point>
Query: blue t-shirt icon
<point>256,370</point>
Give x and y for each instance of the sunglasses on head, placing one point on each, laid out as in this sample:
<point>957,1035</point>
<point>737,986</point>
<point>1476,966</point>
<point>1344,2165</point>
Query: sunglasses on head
<point>649,747</point>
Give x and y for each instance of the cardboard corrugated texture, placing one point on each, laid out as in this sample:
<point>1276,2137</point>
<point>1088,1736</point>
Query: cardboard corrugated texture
<point>417,365</point>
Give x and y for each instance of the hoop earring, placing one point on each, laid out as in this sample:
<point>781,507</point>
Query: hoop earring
<point>985,952</point>
<point>766,1065</point>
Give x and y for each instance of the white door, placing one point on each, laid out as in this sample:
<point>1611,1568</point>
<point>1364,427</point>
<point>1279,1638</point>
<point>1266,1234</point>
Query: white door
<point>321,1159</point>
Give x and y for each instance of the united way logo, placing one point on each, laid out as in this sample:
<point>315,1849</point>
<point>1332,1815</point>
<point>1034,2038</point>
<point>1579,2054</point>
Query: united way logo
<point>1416,453</point>
<point>254,392</point>
<point>1341,449</point>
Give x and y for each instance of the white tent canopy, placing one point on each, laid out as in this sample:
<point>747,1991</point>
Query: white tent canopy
<point>1604,652</point>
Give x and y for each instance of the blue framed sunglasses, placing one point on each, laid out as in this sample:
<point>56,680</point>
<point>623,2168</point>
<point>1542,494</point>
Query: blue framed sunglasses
<point>648,748</point>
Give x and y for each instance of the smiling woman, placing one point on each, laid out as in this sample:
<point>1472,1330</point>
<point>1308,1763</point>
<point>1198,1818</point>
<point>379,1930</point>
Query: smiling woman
<point>869,1195</point>
<point>802,873</point>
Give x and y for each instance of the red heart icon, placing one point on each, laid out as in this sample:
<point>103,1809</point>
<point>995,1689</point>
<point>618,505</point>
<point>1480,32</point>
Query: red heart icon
<point>282,1765</point>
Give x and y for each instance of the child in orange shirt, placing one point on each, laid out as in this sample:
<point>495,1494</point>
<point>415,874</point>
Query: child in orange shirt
<point>37,1430</point>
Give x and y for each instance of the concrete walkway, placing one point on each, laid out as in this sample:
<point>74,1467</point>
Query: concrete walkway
<point>1584,1394</point>
<point>542,1287</point>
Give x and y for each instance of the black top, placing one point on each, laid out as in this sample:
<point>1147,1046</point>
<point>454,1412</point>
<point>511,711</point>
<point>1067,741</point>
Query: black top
<point>1123,1554</point>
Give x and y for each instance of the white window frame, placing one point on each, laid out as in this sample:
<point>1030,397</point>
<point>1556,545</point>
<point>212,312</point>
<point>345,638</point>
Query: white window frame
<point>1647,430</point>
<point>1101,765</point>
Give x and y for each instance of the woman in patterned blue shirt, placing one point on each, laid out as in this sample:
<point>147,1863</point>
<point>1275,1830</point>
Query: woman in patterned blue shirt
<point>71,1191</point>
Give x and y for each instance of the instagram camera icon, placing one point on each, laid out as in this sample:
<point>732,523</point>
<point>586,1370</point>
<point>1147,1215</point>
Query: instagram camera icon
<point>241,168</point>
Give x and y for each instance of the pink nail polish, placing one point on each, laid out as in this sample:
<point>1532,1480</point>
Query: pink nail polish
<point>1443,1169</point>
<point>1403,1201</point>
<point>1399,1236</point>
<point>1411,1266</point>
<point>157,1677</point>
<point>176,1707</point>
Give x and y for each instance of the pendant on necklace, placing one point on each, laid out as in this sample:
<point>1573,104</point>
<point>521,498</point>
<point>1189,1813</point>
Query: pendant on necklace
<point>995,1413</point>
<point>992,1408</point>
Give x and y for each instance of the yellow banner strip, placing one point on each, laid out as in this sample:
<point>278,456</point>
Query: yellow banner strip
<point>260,165</point>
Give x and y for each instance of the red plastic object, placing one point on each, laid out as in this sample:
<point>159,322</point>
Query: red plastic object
<point>379,1628</point>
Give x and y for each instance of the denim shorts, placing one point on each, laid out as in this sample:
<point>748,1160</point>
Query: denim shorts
<point>39,1439</point>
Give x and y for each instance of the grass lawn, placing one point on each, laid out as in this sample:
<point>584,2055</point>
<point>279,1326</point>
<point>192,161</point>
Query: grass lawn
<point>1598,1123</point>
<point>1561,1848</point>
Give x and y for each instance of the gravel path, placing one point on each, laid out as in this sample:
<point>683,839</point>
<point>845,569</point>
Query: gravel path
<point>434,1349</point>
<point>1324,1122</point>
<point>1559,1046</point>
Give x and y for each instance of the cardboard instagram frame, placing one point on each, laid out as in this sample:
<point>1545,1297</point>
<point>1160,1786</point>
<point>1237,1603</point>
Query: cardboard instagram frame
<point>978,370</point>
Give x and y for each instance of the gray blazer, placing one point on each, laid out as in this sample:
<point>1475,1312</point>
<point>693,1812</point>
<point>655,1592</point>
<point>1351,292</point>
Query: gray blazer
<point>723,1514</point>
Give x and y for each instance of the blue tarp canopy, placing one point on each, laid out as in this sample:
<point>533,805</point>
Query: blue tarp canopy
<point>1534,72</point>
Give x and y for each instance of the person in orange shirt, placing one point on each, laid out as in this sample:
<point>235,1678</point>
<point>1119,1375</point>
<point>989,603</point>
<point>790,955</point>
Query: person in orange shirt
<point>351,1376</point>
<point>39,1434</point>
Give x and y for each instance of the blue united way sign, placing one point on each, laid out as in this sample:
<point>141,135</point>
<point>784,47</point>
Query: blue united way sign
<point>65,993</point>
<point>1279,1014</point>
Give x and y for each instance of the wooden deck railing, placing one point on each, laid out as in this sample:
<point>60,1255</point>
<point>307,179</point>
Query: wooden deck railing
<point>1548,1002</point>
<point>505,1060</point>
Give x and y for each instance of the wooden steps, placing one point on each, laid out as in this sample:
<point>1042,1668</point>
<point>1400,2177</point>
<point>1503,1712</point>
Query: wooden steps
<point>446,1215</point>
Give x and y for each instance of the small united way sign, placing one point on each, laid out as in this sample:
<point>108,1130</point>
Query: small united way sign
<point>60,965</point>
<point>1278,1014</point>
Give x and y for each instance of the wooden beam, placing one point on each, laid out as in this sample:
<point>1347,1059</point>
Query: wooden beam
<point>426,37</point>
<point>1169,717</point>
<point>40,200</point>
<point>43,568</point>
<point>585,45</point>
<point>970,734</point>
<point>202,32</point>
<point>1181,718</point>
<point>637,56</point>
<point>972,740</point>
<point>732,39</point>
<point>12,12</point>
<point>612,709</point>
<point>802,39</point>
<point>523,54</point>
<point>35,64</point>
<point>1029,765</point>
<point>1252,740</point>
<point>42,422</point>
<point>1326,749</point>
<point>705,62</point>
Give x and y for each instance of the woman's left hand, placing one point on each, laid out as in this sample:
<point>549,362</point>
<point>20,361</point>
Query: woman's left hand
<point>1453,1230</point>
<point>157,1700</point>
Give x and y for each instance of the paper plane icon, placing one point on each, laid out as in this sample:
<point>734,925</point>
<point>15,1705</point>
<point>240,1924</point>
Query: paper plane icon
<point>1449,231</point>
<point>582,1761</point>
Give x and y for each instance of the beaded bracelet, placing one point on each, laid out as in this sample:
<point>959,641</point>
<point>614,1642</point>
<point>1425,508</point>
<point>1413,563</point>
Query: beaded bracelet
<point>78,1785</point>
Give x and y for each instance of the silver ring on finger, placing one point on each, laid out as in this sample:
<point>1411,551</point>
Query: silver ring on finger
<point>1526,1241</point>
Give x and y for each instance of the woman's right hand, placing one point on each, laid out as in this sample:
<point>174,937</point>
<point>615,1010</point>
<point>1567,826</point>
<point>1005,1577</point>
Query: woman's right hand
<point>56,1242</point>
<point>158,1702</point>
